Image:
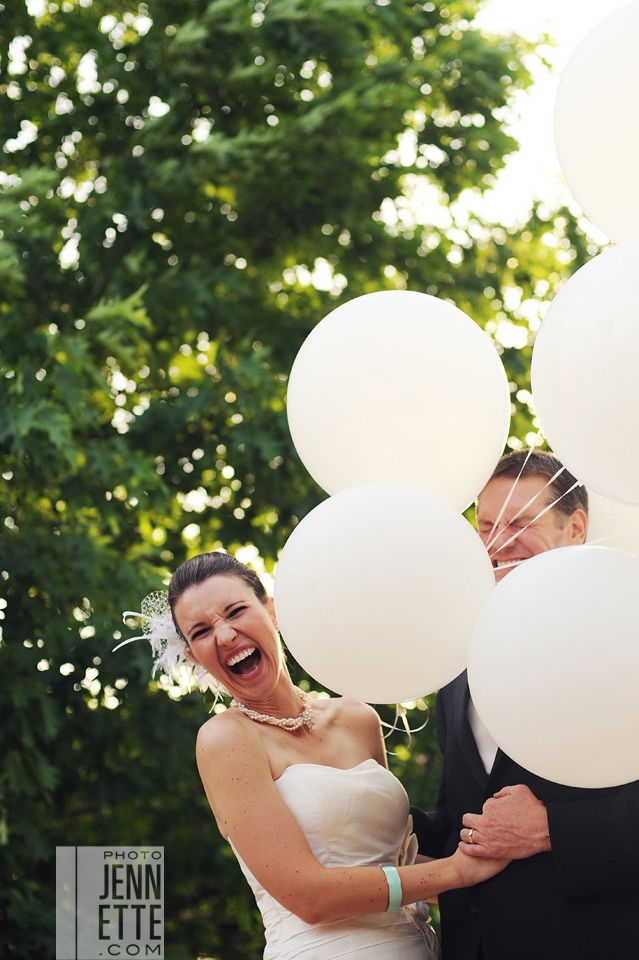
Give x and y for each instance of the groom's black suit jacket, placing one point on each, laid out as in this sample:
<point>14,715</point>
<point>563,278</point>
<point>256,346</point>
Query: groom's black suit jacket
<point>579,902</point>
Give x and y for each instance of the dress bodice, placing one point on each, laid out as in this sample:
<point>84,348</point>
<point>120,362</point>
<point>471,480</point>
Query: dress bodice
<point>353,817</point>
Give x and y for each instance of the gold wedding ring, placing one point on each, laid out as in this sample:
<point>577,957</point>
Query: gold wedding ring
<point>470,836</point>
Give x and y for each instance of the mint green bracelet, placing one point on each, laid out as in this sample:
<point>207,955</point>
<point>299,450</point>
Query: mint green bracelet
<point>394,889</point>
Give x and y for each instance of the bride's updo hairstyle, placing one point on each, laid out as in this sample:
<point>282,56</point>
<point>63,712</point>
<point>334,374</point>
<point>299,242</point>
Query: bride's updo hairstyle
<point>198,569</point>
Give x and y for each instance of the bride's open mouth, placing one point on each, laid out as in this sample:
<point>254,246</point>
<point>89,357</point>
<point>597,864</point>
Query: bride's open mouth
<point>246,662</point>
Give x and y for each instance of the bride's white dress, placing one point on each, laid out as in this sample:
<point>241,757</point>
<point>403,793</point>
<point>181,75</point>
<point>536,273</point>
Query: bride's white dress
<point>355,817</point>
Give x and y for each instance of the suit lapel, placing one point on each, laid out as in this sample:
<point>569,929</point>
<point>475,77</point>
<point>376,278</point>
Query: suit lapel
<point>465,734</point>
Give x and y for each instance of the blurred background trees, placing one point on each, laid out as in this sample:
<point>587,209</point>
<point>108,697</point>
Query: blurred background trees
<point>187,188</point>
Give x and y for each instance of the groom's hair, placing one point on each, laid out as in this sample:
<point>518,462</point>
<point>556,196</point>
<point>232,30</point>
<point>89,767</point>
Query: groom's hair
<point>546,465</point>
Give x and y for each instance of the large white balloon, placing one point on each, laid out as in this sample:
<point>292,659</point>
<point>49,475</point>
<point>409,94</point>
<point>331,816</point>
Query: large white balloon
<point>553,666</point>
<point>399,387</point>
<point>585,383</point>
<point>615,523</point>
<point>597,124</point>
<point>377,590</point>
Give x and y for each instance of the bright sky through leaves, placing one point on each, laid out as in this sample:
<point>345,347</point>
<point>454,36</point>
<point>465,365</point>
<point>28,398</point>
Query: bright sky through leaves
<point>534,171</point>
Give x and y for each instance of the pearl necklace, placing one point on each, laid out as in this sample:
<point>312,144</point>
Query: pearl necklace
<point>290,723</point>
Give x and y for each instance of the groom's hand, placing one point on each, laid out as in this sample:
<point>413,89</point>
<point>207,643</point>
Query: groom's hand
<point>513,825</point>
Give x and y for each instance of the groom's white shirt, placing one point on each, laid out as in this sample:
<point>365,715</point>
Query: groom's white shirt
<point>485,743</point>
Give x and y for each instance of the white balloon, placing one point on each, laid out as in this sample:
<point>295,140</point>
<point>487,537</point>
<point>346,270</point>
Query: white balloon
<point>584,374</point>
<point>597,124</point>
<point>616,523</point>
<point>553,666</point>
<point>377,590</point>
<point>399,387</point>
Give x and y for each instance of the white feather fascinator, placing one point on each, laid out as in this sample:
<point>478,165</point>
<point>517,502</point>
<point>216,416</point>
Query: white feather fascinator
<point>167,646</point>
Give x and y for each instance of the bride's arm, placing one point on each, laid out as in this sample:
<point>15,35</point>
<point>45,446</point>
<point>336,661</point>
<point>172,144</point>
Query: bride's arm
<point>237,778</point>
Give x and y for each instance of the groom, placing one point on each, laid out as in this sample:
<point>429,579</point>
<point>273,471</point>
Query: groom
<point>572,889</point>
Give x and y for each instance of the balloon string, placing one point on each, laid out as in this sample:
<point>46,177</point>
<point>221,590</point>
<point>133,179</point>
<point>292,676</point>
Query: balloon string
<point>623,533</point>
<point>590,543</point>
<point>512,489</point>
<point>400,712</point>
<point>526,505</point>
<point>577,483</point>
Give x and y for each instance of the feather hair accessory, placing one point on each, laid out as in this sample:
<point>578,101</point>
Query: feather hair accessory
<point>167,646</point>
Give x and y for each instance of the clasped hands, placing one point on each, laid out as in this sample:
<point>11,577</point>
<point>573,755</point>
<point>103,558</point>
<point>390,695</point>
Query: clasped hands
<point>513,825</point>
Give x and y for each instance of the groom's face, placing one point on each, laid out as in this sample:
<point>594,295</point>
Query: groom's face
<point>520,533</point>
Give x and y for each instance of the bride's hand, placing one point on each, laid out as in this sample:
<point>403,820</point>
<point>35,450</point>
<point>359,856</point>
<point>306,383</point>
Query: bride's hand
<point>473,870</point>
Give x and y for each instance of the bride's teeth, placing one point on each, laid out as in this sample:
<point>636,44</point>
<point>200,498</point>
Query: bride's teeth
<point>240,656</point>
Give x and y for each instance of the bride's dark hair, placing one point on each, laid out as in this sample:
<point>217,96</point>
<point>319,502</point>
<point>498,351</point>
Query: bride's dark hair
<point>206,565</point>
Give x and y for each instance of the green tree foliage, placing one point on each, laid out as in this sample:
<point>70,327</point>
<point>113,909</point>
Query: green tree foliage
<point>187,189</point>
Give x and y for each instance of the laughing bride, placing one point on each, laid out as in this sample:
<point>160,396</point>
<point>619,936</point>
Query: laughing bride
<point>301,788</point>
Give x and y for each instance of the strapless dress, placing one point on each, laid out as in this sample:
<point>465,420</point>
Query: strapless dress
<point>354,817</point>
